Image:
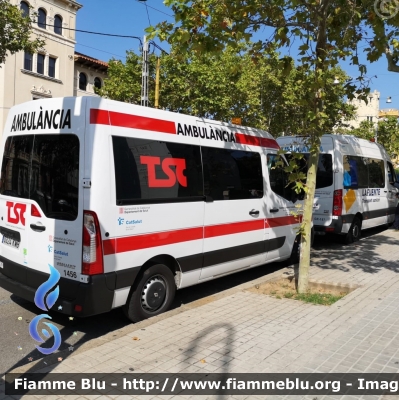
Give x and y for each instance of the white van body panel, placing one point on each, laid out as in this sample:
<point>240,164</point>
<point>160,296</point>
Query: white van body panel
<point>374,204</point>
<point>59,245</point>
<point>204,212</point>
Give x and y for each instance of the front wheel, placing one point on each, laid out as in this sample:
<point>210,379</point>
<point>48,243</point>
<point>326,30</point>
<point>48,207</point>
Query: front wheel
<point>152,294</point>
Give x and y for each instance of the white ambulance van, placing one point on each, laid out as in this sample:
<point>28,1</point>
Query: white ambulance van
<point>131,203</point>
<point>355,184</point>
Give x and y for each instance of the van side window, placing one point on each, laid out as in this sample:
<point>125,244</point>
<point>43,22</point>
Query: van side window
<point>363,173</point>
<point>391,174</point>
<point>278,177</point>
<point>150,171</point>
<point>355,172</point>
<point>376,173</point>
<point>232,174</point>
<point>43,168</point>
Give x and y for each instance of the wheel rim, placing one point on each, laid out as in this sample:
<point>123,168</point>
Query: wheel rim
<point>153,294</point>
<point>355,232</point>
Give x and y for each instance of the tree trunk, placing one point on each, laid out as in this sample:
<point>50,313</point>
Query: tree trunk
<point>314,145</point>
<point>304,261</point>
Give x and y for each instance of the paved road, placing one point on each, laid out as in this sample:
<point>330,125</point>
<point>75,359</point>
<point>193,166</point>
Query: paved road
<point>17,346</point>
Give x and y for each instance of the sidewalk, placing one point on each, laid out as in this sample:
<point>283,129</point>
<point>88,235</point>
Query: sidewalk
<point>249,332</point>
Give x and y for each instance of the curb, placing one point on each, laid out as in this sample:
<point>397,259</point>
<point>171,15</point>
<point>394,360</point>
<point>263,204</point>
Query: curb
<point>37,365</point>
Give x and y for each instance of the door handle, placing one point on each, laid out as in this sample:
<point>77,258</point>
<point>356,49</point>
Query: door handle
<point>273,210</point>
<point>38,228</point>
<point>254,212</point>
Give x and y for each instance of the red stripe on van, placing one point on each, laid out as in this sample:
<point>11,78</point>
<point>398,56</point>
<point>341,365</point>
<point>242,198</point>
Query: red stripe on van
<point>138,242</point>
<point>130,243</point>
<point>109,246</point>
<point>236,227</point>
<point>105,117</point>
<point>256,141</point>
<point>283,221</point>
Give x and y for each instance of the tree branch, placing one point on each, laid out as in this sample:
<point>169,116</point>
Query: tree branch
<point>391,63</point>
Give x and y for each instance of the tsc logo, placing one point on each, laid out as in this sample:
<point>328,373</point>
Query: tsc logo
<point>16,212</point>
<point>167,163</point>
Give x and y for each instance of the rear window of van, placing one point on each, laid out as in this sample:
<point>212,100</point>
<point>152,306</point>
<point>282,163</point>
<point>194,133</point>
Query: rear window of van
<point>44,168</point>
<point>324,175</point>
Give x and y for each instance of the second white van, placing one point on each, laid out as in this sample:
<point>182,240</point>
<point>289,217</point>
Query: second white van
<point>355,184</point>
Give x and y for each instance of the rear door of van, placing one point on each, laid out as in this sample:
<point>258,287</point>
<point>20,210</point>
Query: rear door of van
<point>41,202</point>
<point>324,192</point>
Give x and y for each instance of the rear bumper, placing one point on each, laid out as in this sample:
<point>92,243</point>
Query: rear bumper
<point>334,227</point>
<point>95,297</point>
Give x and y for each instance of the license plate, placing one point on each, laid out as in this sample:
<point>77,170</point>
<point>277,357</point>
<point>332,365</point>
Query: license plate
<point>10,242</point>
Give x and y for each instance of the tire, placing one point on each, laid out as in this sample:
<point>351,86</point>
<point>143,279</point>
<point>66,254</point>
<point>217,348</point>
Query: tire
<point>354,232</point>
<point>152,294</point>
<point>296,251</point>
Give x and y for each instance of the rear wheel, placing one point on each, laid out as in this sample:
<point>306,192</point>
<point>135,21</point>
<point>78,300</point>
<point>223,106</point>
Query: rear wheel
<point>152,294</point>
<point>354,232</point>
<point>296,248</point>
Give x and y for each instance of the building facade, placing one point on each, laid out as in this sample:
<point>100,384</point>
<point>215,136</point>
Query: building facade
<point>89,75</point>
<point>55,70</point>
<point>365,111</point>
<point>388,112</point>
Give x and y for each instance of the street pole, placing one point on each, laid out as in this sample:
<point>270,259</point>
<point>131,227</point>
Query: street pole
<point>144,76</point>
<point>157,83</point>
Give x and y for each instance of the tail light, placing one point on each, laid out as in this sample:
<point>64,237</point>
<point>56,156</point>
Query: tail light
<point>92,254</point>
<point>337,202</point>
<point>34,211</point>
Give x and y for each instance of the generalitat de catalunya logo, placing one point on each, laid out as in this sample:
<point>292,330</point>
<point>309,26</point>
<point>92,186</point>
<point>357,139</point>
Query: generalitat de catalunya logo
<point>45,303</point>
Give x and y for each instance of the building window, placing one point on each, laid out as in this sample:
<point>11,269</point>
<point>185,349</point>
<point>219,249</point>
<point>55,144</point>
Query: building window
<point>370,119</point>
<point>24,8</point>
<point>97,83</point>
<point>41,18</point>
<point>40,64</point>
<point>82,81</point>
<point>51,67</point>
<point>58,25</point>
<point>28,61</point>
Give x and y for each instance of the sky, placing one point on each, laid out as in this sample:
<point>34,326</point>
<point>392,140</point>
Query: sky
<point>131,17</point>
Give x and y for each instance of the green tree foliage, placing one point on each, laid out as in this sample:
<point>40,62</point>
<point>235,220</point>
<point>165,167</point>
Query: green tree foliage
<point>226,85</point>
<point>386,132</point>
<point>388,135</point>
<point>365,130</point>
<point>15,32</point>
<point>124,79</point>
<point>323,31</point>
